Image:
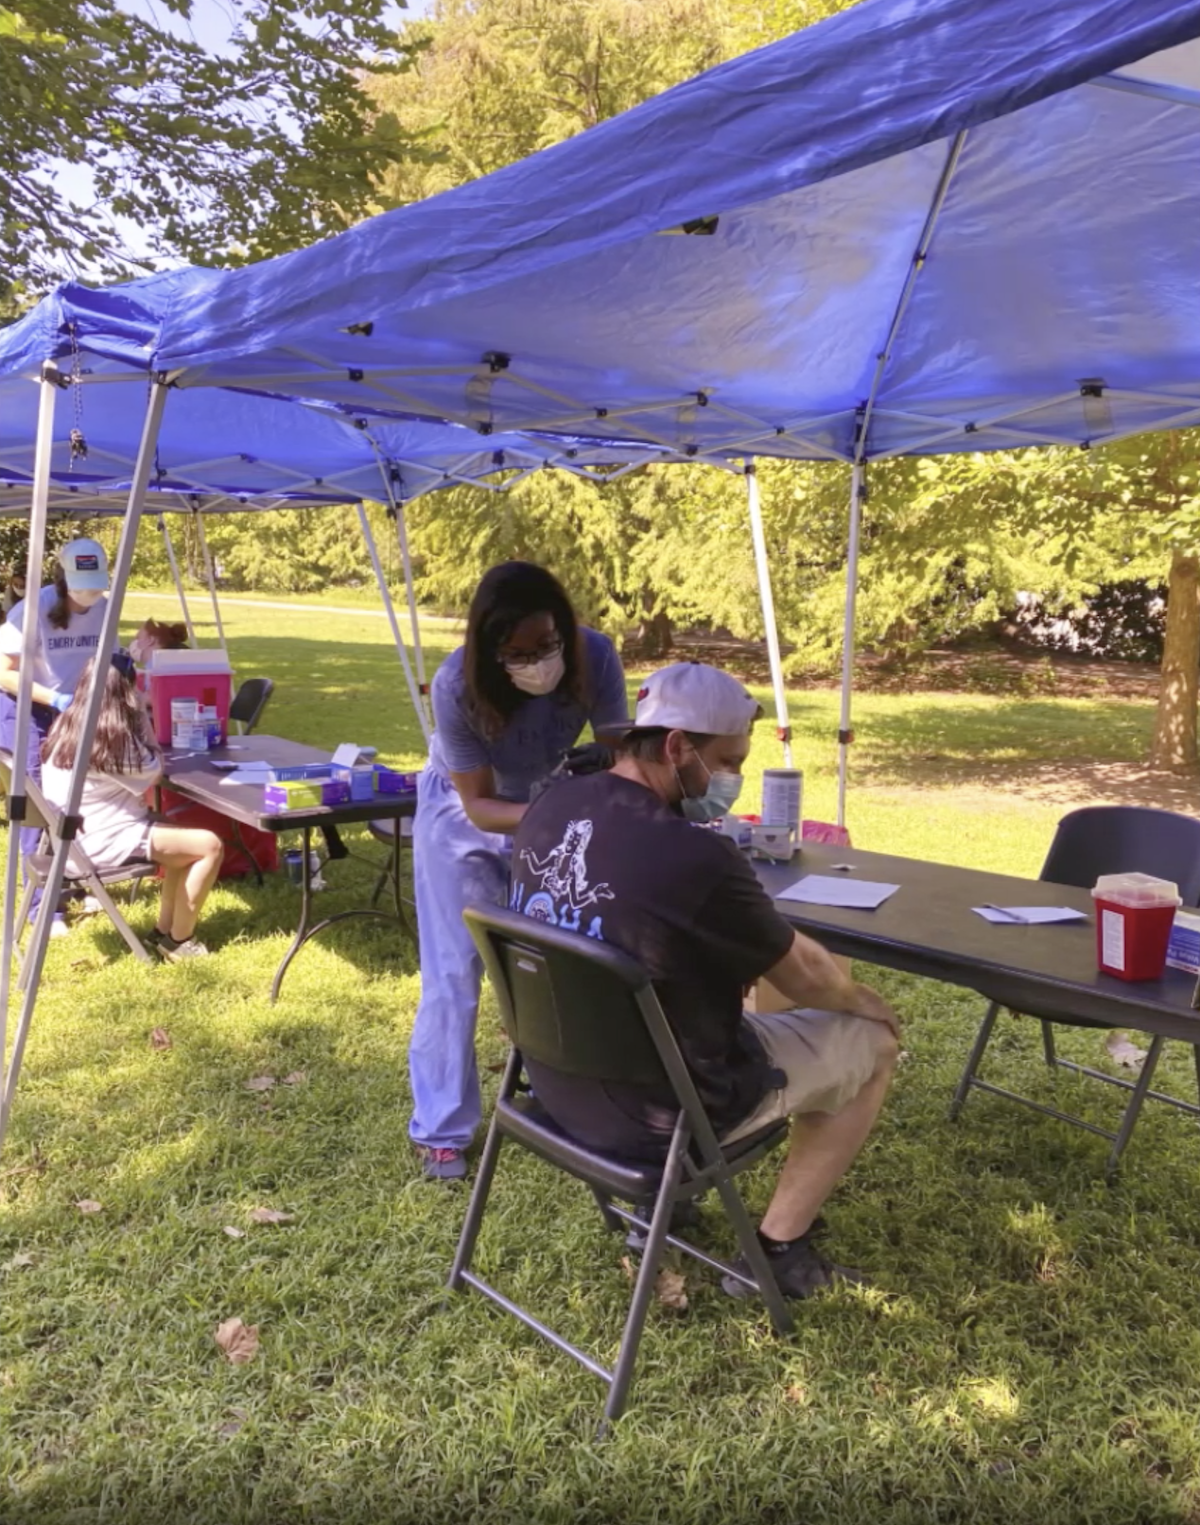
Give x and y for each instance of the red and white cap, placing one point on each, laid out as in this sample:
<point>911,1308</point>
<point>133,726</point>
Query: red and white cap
<point>691,696</point>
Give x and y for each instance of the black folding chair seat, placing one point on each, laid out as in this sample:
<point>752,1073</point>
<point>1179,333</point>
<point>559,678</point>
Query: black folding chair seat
<point>1103,839</point>
<point>526,1122</point>
<point>249,703</point>
<point>581,1007</point>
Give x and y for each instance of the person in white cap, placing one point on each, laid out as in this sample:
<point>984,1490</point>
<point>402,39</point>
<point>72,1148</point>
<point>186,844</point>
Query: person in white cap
<point>69,613</point>
<point>614,855</point>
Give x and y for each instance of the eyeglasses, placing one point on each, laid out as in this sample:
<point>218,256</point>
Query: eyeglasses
<point>515,660</point>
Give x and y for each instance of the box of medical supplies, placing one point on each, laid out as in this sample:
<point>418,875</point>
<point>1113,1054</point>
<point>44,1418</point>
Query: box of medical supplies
<point>1183,947</point>
<point>359,781</point>
<point>204,677</point>
<point>297,794</point>
<point>298,772</point>
<point>387,781</point>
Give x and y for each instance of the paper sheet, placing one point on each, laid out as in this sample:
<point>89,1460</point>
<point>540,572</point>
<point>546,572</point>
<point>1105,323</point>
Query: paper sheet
<point>1027,915</point>
<point>854,894</point>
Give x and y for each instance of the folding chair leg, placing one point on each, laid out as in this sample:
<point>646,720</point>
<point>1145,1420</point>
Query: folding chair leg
<point>24,911</point>
<point>132,941</point>
<point>612,1221</point>
<point>756,1257</point>
<point>1134,1109</point>
<point>1196,1062</point>
<point>643,1287</point>
<point>475,1208</point>
<point>977,1051</point>
<point>1048,1044</point>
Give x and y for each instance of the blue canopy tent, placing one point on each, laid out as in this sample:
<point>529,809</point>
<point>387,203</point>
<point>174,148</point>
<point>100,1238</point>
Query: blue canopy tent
<point>73,382</point>
<point>959,225</point>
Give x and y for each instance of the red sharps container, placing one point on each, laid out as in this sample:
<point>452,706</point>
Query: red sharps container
<point>1134,915</point>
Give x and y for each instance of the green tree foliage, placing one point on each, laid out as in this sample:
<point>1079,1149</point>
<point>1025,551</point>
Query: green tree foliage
<point>219,158</point>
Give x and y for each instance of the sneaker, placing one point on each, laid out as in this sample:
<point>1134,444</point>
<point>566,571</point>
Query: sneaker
<point>442,1164</point>
<point>88,906</point>
<point>59,928</point>
<point>178,953</point>
<point>800,1270</point>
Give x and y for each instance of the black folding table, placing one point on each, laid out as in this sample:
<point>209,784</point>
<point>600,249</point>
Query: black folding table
<point>194,776</point>
<point>929,928</point>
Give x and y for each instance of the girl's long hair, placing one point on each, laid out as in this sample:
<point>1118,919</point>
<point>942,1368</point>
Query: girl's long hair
<point>123,734</point>
<point>506,595</point>
<point>60,610</point>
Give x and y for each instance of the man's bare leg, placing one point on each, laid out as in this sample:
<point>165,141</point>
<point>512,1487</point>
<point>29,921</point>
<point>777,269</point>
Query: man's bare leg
<point>823,1147</point>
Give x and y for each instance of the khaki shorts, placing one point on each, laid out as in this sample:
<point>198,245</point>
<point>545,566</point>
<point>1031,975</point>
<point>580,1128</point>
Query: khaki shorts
<point>826,1056</point>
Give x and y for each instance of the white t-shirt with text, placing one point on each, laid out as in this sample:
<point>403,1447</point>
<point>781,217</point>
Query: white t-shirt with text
<point>61,655</point>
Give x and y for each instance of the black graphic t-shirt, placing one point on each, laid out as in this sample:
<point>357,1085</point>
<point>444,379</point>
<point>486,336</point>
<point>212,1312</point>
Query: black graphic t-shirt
<point>603,856</point>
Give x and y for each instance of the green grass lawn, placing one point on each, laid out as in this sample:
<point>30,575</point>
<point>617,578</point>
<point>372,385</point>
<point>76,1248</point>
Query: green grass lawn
<point>1030,1349</point>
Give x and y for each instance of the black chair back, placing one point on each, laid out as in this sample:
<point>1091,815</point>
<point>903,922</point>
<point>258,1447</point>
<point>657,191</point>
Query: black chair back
<point>573,1003</point>
<point>250,701</point>
<point>1126,839</point>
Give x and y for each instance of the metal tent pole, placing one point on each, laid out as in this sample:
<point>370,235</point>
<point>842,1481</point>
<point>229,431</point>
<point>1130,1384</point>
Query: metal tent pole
<point>36,956</point>
<point>763,568</point>
<point>212,581</point>
<point>390,608</point>
<point>845,733</point>
<point>170,549</point>
<point>395,503</point>
<point>411,596</point>
<point>38,514</point>
<point>862,441</point>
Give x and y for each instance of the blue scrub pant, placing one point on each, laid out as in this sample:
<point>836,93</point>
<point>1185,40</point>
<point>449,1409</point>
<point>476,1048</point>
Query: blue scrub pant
<point>43,718</point>
<point>454,865</point>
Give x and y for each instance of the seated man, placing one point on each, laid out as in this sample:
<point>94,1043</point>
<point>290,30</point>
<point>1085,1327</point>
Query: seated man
<point>615,855</point>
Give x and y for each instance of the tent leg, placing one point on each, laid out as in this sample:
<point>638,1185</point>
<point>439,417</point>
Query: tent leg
<point>212,582</point>
<point>38,514</point>
<point>763,568</point>
<point>183,603</point>
<point>845,733</point>
<point>36,955</point>
<point>411,596</point>
<point>390,609</point>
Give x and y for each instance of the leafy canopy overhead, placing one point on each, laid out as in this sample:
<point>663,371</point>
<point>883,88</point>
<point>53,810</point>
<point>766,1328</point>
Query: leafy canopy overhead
<point>214,157</point>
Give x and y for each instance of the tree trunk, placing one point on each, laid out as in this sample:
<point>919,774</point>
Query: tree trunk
<point>655,636</point>
<point>1174,744</point>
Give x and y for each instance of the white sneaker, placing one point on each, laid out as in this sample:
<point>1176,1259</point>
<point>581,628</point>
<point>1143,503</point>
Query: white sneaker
<point>59,928</point>
<point>90,906</point>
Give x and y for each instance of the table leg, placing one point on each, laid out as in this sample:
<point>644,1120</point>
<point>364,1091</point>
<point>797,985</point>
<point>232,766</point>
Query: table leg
<point>307,930</point>
<point>302,931</point>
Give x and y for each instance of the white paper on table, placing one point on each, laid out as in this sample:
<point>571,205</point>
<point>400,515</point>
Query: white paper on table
<point>1027,915</point>
<point>851,894</point>
<point>247,773</point>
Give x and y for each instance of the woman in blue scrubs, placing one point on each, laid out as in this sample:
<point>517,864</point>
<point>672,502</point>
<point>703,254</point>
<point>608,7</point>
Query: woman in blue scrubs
<point>508,705</point>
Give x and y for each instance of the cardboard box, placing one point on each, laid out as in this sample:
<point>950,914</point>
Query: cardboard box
<point>1183,950</point>
<point>298,794</point>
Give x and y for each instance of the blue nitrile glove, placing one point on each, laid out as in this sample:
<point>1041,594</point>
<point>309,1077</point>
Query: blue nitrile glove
<point>60,701</point>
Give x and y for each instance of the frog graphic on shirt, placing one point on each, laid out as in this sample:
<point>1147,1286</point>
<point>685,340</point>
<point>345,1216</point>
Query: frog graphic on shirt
<point>565,891</point>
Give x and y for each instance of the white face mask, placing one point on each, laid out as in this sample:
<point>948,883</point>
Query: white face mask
<point>85,598</point>
<point>542,678</point>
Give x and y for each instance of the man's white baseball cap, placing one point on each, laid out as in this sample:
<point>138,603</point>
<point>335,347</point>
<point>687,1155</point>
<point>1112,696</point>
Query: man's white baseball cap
<point>691,696</point>
<point>85,566</point>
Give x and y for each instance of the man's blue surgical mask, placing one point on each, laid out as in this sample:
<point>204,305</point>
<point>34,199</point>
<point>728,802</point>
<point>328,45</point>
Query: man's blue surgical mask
<point>717,800</point>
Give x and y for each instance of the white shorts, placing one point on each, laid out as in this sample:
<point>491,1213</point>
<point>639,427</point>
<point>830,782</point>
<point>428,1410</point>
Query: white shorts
<point>826,1056</point>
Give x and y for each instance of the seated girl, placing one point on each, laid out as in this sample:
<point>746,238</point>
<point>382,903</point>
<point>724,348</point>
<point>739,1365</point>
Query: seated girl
<point>118,827</point>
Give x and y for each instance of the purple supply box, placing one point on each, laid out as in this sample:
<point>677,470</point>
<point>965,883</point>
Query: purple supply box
<point>389,782</point>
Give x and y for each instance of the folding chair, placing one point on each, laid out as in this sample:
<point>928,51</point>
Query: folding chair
<point>250,701</point>
<point>579,1006</point>
<point>96,881</point>
<point>1104,839</point>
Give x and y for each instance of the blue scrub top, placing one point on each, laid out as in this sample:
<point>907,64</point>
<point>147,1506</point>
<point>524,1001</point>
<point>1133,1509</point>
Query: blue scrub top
<point>538,733</point>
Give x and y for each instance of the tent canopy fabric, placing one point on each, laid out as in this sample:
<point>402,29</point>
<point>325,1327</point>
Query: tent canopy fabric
<point>221,450</point>
<point>999,197</point>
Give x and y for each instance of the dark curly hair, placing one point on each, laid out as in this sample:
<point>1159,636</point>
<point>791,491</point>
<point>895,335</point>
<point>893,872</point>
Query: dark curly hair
<point>506,595</point>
